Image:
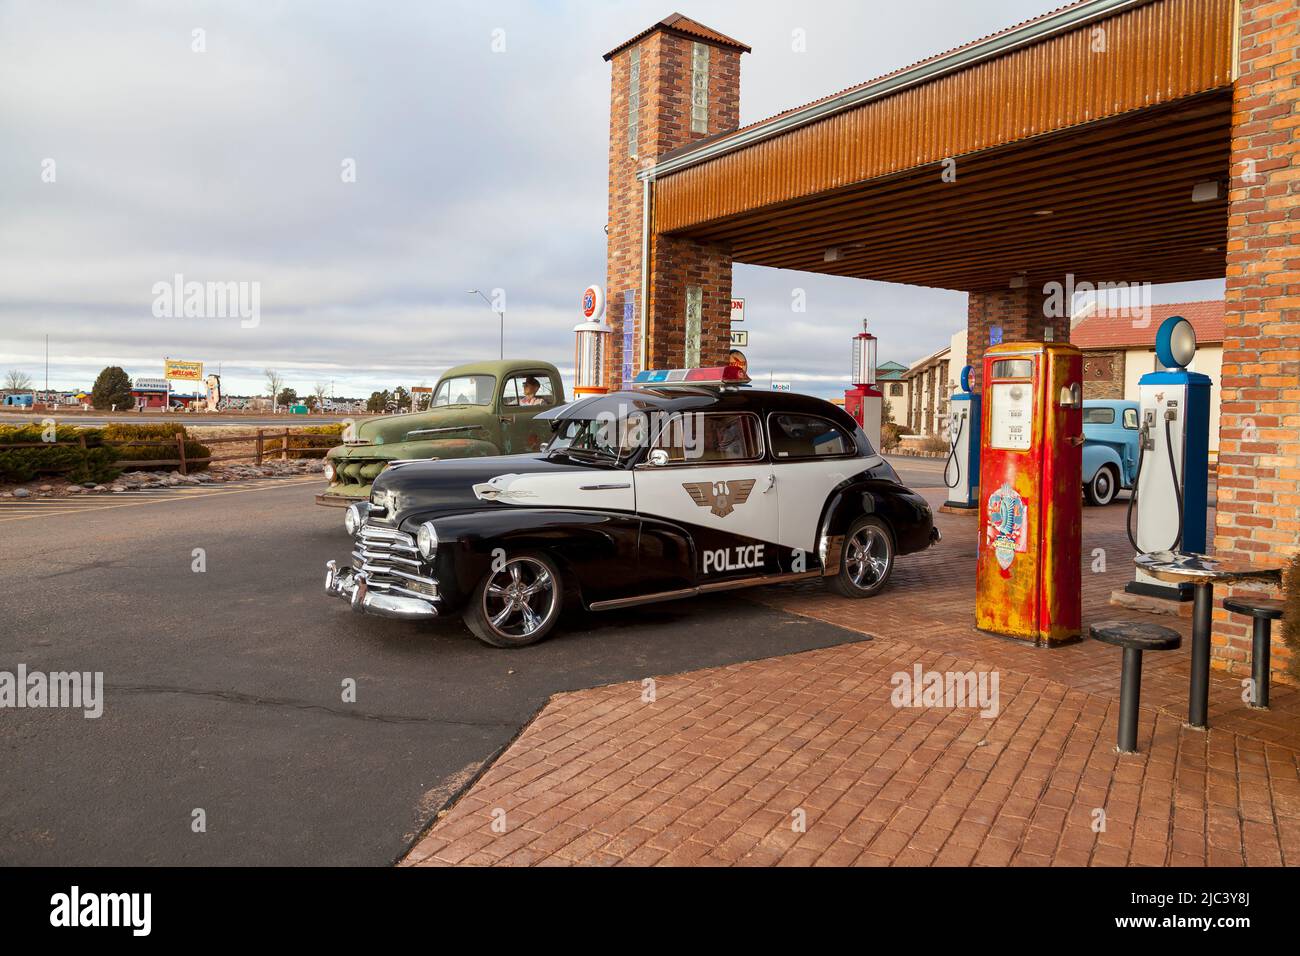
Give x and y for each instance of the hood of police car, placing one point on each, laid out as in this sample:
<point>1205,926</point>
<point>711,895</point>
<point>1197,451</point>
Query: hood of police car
<point>456,485</point>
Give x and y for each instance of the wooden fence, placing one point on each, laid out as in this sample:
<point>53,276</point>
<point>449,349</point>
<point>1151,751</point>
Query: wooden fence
<point>260,453</point>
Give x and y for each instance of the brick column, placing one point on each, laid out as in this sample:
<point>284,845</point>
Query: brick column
<point>1259,439</point>
<point>648,118</point>
<point>1020,313</point>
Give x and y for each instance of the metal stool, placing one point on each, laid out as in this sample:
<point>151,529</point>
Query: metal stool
<point>1264,612</point>
<point>1134,637</point>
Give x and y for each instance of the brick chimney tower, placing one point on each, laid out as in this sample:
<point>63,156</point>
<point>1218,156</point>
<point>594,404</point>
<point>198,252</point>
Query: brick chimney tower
<point>674,84</point>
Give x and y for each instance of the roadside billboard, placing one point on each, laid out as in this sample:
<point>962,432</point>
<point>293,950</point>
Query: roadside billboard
<point>176,370</point>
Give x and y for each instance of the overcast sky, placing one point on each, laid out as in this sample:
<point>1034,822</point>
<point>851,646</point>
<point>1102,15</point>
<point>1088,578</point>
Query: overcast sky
<point>473,169</point>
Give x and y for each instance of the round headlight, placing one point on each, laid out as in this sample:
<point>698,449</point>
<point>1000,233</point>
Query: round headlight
<point>329,470</point>
<point>353,519</point>
<point>426,540</point>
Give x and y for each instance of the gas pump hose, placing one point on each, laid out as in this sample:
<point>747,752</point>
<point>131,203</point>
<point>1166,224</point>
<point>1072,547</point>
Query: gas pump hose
<point>952,457</point>
<point>1137,482</point>
<point>1178,485</point>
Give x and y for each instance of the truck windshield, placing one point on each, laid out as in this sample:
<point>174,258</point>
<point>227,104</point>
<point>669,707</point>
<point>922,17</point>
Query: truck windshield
<point>465,390</point>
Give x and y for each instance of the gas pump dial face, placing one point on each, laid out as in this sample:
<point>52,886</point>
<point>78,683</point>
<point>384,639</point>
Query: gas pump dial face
<point>1013,413</point>
<point>1176,342</point>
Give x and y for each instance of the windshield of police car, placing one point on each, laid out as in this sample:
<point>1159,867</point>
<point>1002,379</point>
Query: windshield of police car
<point>605,439</point>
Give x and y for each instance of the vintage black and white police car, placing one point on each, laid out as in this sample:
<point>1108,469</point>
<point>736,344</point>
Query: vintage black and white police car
<point>684,485</point>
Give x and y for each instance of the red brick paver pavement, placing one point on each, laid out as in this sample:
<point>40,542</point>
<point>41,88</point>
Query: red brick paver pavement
<point>804,759</point>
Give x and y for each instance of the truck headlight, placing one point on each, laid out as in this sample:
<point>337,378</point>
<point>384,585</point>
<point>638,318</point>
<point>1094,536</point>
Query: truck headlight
<point>355,517</point>
<point>426,540</point>
<point>329,470</point>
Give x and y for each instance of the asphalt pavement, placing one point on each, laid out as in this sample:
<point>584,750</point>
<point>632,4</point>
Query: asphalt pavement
<point>225,672</point>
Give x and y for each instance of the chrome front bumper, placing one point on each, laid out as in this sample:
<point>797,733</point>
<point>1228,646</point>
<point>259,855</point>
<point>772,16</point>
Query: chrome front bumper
<point>354,587</point>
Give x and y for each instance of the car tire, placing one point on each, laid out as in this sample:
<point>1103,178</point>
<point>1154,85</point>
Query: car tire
<point>517,603</point>
<point>866,560</point>
<point>1103,487</point>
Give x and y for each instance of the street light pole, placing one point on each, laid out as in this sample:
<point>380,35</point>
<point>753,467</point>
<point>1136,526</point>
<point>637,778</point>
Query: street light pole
<point>502,314</point>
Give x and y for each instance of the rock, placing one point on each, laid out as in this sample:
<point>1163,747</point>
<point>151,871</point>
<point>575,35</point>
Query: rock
<point>117,489</point>
<point>22,493</point>
<point>100,489</point>
<point>45,489</point>
<point>76,489</point>
<point>88,484</point>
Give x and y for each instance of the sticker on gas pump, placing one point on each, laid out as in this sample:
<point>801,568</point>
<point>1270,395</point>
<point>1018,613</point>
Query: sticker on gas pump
<point>1006,527</point>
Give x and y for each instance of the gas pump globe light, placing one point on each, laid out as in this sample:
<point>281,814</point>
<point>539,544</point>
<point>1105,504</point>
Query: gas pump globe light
<point>864,357</point>
<point>1176,344</point>
<point>865,401</point>
<point>589,345</point>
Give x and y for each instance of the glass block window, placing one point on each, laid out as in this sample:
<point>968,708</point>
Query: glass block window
<point>629,336</point>
<point>699,88</point>
<point>633,100</point>
<point>694,323</point>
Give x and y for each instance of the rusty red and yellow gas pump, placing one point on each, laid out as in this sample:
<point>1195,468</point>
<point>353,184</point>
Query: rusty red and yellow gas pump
<point>1031,463</point>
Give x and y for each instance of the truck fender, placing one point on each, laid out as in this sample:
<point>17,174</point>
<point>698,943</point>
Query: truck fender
<point>1096,454</point>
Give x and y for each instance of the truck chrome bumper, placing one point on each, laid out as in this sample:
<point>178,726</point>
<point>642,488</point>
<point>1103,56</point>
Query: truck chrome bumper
<point>336,501</point>
<point>354,587</point>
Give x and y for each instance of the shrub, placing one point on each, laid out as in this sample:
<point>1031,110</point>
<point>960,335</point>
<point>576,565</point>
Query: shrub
<point>935,444</point>
<point>161,432</point>
<point>91,463</point>
<point>890,433</point>
<point>321,437</point>
<point>1291,615</point>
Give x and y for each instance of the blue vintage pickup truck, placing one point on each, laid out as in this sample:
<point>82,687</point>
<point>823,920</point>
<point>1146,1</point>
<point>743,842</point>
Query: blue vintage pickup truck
<point>1110,448</point>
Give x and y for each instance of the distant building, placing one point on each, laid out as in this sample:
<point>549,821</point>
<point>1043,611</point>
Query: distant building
<point>928,382</point>
<point>149,393</point>
<point>889,377</point>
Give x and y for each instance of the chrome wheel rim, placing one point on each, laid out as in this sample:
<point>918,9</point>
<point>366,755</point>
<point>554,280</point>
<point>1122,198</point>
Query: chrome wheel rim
<point>867,557</point>
<point>519,598</point>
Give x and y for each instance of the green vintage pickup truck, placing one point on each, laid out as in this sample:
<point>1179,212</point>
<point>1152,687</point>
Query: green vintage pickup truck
<point>482,409</point>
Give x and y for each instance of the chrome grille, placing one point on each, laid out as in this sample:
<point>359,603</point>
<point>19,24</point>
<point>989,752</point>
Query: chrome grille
<point>391,560</point>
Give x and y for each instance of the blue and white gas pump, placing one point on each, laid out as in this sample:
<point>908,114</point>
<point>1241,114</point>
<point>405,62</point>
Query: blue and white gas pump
<point>1169,495</point>
<point>961,472</point>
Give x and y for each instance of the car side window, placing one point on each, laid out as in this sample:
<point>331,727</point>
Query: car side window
<point>1099,416</point>
<point>528,390</point>
<point>807,436</point>
<point>1131,418</point>
<point>697,438</point>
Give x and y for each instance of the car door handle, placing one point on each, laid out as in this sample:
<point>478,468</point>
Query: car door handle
<point>603,487</point>
<point>771,483</point>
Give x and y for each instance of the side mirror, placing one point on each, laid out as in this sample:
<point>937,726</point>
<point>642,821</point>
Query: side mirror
<point>658,458</point>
